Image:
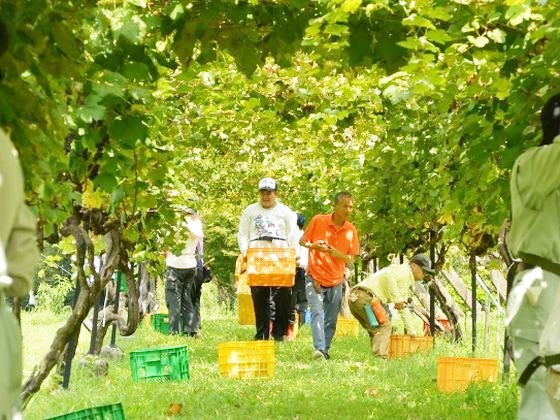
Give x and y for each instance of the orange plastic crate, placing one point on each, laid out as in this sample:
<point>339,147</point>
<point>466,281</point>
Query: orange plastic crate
<point>247,359</point>
<point>401,345</point>
<point>245,309</point>
<point>347,327</point>
<point>271,267</point>
<point>423,343</point>
<point>456,373</point>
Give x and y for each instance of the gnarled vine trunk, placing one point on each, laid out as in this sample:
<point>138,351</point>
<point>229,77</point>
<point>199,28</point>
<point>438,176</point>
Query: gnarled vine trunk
<point>85,299</point>
<point>127,327</point>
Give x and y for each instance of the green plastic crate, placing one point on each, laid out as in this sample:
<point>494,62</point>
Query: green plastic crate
<point>105,412</point>
<point>170,363</point>
<point>160,322</point>
<point>118,275</point>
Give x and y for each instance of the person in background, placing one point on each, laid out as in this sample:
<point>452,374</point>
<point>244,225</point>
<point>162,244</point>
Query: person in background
<point>535,239</point>
<point>268,224</point>
<point>299,300</point>
<point>333,243</point>
<point>391,284</point>
<point>202,276</point>
<point>180,278</point>
<point>18,256</point>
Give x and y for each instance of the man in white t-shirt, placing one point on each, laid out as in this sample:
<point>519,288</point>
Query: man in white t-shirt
<point>268,224</point>
<point>180,279</point>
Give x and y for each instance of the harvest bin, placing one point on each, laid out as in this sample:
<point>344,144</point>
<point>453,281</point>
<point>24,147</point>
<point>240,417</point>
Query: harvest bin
<point>247,359</point>
<point>403,345</point>
<point>245,310</point>
<point>271,267</point>
<point>164,363</point>
<point>347,327</point>
<point>456,373</point>
<point>105,412</point>
<point>423,343</point>
<point>160,322</point>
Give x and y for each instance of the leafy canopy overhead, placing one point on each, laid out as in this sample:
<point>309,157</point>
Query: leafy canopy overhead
<point>418,108</point>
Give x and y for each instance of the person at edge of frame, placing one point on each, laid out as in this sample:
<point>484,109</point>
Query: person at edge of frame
<point>534,238</point>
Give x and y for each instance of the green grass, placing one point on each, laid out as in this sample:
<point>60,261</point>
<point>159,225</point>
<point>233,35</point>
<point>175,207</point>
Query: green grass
<point>301,388</point>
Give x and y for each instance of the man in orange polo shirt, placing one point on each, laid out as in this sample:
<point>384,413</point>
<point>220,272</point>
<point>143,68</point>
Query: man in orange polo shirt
<point>333,243</point>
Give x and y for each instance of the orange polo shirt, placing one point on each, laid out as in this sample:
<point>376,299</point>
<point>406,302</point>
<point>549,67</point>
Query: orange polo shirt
<point>326,269</point>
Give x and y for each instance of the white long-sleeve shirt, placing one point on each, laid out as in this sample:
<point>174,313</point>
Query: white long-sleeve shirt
<point>187,259</point>
<point>303,251</point>
<point>278,223</point>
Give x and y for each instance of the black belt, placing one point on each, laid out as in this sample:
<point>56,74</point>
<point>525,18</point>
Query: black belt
<point>268,238</point>
<point>529,261</point>
<point>538,361</point>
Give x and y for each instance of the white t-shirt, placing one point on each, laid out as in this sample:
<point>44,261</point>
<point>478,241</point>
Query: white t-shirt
<point>278,224</point>
<point>187,259</point>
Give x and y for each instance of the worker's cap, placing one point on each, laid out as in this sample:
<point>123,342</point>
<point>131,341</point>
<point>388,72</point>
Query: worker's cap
<point>424,262</point>
<point>267,184</point>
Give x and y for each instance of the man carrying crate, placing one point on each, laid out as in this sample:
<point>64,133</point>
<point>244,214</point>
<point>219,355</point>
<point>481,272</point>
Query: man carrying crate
<point>268,224</point>
<point>333,243</point>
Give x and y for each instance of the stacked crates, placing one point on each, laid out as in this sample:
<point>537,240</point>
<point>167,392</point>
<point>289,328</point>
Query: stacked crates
<point>106,412</point>
<point>170,363</point>
<point>271,267</point>
<point>347,327</point>
<point>456,373</point>
<point>247,359</point>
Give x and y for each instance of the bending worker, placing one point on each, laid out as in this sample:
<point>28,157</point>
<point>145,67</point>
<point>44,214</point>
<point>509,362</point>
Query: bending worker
<point>391,284</point>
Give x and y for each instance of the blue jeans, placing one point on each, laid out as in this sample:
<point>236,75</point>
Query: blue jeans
<point>324,307</point>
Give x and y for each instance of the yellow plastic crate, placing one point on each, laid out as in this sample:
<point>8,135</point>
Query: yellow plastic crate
<point>456,373</point>
<point>242,286</point>
<point>271,267</point>
<point>245,309</point>
<point>347,327</point>
<point>247,359</point>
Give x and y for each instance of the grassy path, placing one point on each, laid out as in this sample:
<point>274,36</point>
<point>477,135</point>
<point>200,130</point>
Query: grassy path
<point>351,385</point>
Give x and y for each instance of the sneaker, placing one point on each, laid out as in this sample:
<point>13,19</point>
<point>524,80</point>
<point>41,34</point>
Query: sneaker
<point>319,355</point>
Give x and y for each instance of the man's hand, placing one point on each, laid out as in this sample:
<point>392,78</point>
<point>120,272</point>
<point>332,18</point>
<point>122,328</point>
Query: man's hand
<point>321,246</point>
<point>399,305</point>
